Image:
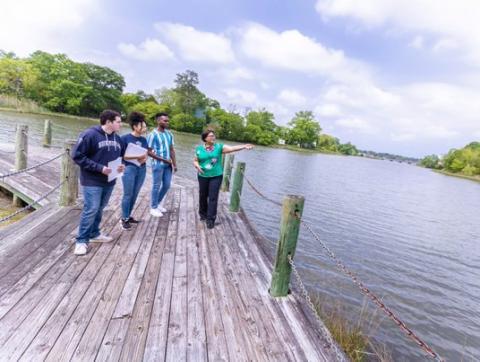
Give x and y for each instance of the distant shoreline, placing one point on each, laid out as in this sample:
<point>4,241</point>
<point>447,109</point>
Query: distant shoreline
<point>446,173</point>
<point>40,113</point>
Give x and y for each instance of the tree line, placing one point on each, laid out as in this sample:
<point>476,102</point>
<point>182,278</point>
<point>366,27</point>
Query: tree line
<point>60,84</point>
<point>465,161</point>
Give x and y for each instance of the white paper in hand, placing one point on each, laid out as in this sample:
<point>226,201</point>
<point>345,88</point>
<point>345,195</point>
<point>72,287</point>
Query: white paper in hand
<point>134,150</point>
<point>113,165</point>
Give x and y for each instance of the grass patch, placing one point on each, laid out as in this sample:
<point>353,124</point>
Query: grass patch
<point>353,337</point>
<point>472,178</point>
<point>22,105</point>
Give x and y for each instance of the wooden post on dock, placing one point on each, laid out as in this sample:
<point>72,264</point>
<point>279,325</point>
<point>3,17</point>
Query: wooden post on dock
<point>292,210</point>
<point>47,133</point>
<point>237,187</point>
<point>21,154</point>
<point>227,174</point>
<point>69,174</point>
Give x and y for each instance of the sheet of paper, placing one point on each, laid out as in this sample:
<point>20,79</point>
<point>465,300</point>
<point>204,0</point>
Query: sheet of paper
<point>113,165</point>
<point>134,150</point>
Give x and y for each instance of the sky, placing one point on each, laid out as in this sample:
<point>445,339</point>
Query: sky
<point>398,76</point>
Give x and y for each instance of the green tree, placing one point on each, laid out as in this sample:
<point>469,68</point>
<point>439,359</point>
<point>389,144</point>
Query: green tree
<point>260,128</point>
<point>149,109</point>
<point>304,130</point>
<point>431,161</point>
<point>187,123</point>
<point>328,143</point>
<point>17,77</point>
<point>348,149</point>
<point>227,125</point>
<point>188,97</point>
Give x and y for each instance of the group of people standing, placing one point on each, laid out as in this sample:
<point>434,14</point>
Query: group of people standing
<point>99,145</point>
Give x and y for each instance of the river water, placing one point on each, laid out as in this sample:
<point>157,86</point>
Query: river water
<point>411,235</point>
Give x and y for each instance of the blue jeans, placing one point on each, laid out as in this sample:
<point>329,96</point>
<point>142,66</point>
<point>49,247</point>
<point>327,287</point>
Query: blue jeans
<point>95,198</point>
<point>132,179</point>
<point>162,176</point>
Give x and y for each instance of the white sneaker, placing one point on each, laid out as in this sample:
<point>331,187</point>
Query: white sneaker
<point>156,213</point>
<point>102,238</point>
<point>161,208</point>
<point>80,249</point>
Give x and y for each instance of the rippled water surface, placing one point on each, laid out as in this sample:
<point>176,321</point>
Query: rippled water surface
<point>411,235</point>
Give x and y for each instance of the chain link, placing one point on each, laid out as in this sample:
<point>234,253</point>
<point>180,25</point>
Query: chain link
<point>29,206</point>
<point>425,347</point>
<point>30,168</point>
<point>326,333</point>
<point>258,192</point>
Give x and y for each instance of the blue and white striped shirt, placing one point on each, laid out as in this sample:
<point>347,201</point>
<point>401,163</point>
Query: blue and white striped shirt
<point>160,142</point>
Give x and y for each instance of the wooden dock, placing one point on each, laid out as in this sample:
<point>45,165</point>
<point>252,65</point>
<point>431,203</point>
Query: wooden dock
<point>169,289</point>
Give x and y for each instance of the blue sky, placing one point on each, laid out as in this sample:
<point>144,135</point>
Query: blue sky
<point>387,75</point>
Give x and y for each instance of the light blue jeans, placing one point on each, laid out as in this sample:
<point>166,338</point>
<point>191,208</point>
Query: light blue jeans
<point>95,198</point>
<point>132,179</point>
<point>162,177</point>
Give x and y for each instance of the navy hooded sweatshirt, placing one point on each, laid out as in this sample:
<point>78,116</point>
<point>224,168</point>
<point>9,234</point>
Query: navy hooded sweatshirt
<point>94,150</point>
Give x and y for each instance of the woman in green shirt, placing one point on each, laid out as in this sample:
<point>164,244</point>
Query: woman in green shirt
<point>208,162</point>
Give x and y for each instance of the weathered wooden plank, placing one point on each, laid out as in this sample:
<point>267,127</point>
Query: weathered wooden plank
<point>299,337</point>
<point>252,318</point>
<point>135,340</point>
<point>121,293</point>
<point>40,302</point>
<point>94,286</point>
<point>216,335</point>
<point>46,272</point>
<point>155,347</point>
<point>196,335</point>
<point>26,266</point>
<point>177,324</point>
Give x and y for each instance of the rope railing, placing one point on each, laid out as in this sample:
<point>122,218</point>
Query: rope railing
<point>341,266</point>
<point>31,205</point>
<point>2,176</point>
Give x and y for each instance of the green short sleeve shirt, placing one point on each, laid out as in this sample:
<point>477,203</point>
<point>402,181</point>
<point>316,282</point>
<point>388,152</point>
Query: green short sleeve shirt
<point>210,160</point>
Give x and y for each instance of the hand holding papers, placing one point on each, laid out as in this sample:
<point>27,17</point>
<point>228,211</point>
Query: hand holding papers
<point>115,165</point>
<point>136,151</point>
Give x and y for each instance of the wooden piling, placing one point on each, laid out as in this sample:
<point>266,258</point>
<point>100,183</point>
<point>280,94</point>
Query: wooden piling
<point>292,210</point>
<point>68,174</point>
<point>21,154</point>
<point>47,134</point>
<point>227,173</point>
<point>237,187</point>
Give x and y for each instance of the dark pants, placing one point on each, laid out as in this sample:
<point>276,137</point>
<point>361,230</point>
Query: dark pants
<point>209,189</point>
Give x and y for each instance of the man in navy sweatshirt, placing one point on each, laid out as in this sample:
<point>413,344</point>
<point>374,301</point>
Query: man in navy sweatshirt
<point>95,148</point>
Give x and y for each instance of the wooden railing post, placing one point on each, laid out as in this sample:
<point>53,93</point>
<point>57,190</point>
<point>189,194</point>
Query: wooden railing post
<point>69,174</point>
<point>21,154</point>
<point>237,187</point>
<point>47,133</point>
<point>227,173</point>
<point>292,210</point>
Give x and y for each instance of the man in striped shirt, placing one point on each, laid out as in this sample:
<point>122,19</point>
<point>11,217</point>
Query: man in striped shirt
<point>161,150</point>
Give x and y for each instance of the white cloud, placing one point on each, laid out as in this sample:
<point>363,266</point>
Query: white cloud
<point>292,98</point>
<point>328,110</point>
<point>453,19</point>
<point>29,25</point>
<point>356,124</point>
<point>241,97</point>
<point>236,74</point>
<point>291,50</point>
<point>445,44</point>
<point>416,112</point>
<point>417,42</point>
<point>150,49</point>
<point>197,46</point>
